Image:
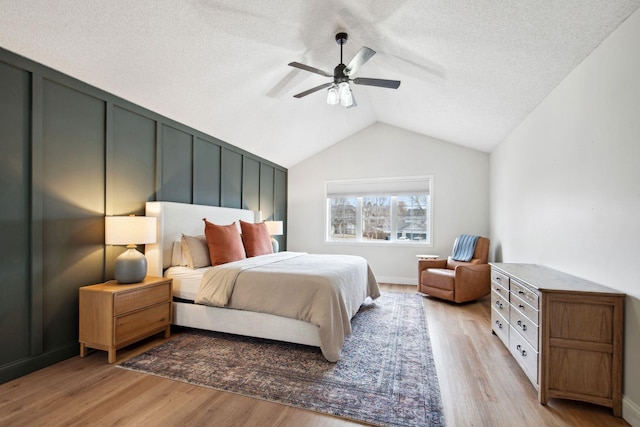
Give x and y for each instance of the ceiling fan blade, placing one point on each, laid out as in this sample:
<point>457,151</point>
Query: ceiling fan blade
<point>310,91</point>
<point>309,68</point>
<point>391,84</point>
<point>363,55</point>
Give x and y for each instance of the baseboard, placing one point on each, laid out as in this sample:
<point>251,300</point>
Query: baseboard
<point>25,366</point>
<point>630,412</point>
<point>398,280</point>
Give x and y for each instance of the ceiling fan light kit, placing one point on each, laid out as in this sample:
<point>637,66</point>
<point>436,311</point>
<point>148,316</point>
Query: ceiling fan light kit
<point>339,91</point>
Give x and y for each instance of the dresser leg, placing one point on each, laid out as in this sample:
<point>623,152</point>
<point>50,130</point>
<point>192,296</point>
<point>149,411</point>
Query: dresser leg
<point>112,355</point>
<point>167,331</point>
<point>83,350</point>
<point>617,408</point>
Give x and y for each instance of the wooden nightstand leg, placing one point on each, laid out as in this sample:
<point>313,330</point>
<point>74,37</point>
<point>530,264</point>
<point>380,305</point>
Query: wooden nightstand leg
<point>167,331</point>
<point>112,355</point>
<point>83,350</point>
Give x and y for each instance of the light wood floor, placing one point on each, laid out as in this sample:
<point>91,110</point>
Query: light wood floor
<point>480,382</point>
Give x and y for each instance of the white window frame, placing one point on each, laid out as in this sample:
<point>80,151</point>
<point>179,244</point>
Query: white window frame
<point>394,186</point>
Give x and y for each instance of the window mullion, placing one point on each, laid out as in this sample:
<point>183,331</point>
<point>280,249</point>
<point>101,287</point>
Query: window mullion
<point>359,221</point>
<point>393,234</point>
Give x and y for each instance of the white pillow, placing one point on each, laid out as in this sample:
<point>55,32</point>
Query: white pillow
<point>177,258</point>
<point>195,251</point>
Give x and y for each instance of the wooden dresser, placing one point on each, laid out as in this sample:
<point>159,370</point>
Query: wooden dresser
<point>565,332</point>
<point>113,315</point>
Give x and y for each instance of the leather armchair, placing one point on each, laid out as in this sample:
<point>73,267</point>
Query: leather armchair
<point>456,280</point>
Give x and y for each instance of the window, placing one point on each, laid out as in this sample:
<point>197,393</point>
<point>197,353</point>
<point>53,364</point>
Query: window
<point>390,210</point>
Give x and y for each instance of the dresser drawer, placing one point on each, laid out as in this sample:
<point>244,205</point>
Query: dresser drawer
<point>499,279</point>
<point>141,323</point>
<point>500,326</point>
<point>525,309</point>
<point>135,299</point>
<point>500,304</point>
<point>525,355</point>
<point>524,293</point>
<point>524,326</point>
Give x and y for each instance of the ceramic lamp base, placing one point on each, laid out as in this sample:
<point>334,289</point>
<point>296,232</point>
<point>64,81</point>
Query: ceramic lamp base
<point>130,267</point>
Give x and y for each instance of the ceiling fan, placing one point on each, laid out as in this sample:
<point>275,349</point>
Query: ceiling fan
<point>340,90</point>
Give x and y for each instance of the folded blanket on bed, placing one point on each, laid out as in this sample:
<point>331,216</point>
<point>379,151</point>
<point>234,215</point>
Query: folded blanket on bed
<point>324,290</point>
<point>218,282</point>
<point>464,248</point>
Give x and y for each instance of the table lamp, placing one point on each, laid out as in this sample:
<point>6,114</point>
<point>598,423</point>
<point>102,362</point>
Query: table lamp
<point>275,229</point>
<point>131,265</point>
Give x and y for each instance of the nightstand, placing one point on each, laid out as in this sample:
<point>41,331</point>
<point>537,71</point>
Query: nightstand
<point>113,316</point>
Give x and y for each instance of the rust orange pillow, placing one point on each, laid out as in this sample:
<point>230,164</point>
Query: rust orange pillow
<point>224,241</point>
<point>256,239</point>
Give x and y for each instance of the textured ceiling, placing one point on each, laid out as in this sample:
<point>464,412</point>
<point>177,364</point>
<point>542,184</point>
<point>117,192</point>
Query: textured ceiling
<point>471,70</point>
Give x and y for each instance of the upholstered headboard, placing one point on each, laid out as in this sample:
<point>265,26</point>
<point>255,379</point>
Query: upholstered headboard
<point>175,219</point>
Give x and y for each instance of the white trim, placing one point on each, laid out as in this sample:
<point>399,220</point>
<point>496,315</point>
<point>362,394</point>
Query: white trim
<point>397,280</point>
<point>630,412</point>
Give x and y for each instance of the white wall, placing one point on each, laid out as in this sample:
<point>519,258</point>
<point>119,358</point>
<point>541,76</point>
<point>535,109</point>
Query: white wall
<point>460,196</point>
<point>565,186</point>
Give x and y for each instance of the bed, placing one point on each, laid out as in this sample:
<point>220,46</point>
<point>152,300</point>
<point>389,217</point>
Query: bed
<point>268,315</point>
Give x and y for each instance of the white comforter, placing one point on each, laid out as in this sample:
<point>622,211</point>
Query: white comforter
<point>325,290</point>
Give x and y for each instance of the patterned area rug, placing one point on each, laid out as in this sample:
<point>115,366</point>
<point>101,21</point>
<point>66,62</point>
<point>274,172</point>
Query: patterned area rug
<point>385,375</point>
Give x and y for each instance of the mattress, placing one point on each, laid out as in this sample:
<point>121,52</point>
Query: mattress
<point>186,281</point>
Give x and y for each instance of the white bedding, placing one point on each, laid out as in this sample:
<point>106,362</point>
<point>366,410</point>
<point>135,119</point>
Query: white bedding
<point>186,281</point>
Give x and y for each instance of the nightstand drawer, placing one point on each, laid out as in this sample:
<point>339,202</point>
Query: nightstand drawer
<point>141,323</point>
<point>125,302</point>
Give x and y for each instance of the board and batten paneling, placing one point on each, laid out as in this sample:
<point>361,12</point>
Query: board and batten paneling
<point>231,177</point>
<point>177,165</point>
<point>15,301</point>
<point>72,154</point>
<point>251,185</point>
<point>267,191</point>
<point>206,185</point>
<point>133,159</point>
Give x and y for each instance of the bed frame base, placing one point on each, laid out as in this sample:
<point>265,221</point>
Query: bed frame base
<point>247,323</point>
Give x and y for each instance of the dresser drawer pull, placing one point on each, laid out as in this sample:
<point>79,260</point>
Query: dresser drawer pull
<point>520,306</point>
<point>522,352</point>
<point>499,305</point>
<point>499,324</point>
<point>521,292</point>
<point>524,327</point>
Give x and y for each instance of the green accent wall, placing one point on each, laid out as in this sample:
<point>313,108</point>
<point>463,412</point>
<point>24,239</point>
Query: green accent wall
<point>71,154</point>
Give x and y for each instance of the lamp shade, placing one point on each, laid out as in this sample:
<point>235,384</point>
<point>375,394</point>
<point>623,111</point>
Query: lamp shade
<point>275,228</point>
<point>127,230</point>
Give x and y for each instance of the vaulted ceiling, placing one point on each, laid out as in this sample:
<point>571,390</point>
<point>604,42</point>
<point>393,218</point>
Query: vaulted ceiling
<point>471,70</point>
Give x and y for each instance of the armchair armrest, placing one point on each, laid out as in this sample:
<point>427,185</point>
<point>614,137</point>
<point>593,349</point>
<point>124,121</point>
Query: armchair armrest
<point>472,281</point>
<point>423,264</point>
